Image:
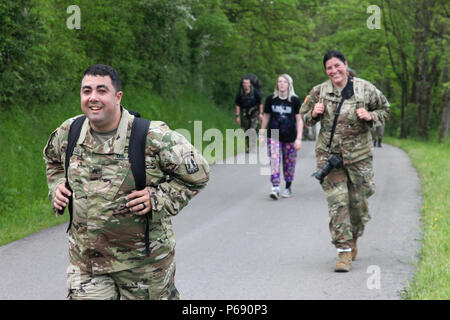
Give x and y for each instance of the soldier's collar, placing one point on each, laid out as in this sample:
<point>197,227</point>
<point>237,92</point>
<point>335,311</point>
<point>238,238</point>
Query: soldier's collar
<point>329,88</point>
<point>121,134</point>
<point>119,138</point>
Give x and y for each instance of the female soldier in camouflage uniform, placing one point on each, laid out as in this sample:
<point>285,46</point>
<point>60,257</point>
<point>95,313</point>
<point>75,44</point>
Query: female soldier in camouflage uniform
<point>347,188</point>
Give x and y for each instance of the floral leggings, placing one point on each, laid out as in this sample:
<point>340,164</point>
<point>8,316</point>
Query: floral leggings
<point>278,150</point>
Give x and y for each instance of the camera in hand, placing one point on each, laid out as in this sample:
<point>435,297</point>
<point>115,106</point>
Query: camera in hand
<point>334,161</point>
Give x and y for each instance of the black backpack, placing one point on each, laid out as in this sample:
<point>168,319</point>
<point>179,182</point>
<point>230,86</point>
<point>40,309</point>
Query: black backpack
<point>136,156</point>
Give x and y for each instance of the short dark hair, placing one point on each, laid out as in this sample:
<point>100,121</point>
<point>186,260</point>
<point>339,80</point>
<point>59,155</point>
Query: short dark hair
<point>104,70</point>
<point>333,54</point>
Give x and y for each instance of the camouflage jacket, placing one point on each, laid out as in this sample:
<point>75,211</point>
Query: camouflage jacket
<point>105,236</point>
<point>352,138</point>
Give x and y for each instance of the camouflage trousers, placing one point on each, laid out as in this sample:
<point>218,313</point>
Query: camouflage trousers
<point>377,132</point>
<point>347,190</point>
<point>250,120</point>
<point>149,282</point>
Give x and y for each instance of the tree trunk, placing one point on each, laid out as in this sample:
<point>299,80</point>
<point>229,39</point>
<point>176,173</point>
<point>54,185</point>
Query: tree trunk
<point>445,113</point>
<point>423,94</point>
<point>404,103</point>
<point>445,117</point>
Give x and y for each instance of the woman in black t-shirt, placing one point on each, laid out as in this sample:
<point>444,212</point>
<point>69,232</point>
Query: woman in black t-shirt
<point>284,137</point>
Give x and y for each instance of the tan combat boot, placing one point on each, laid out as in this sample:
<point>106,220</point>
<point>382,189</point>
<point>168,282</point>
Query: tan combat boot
<point>345,262</point>
<point>354,248</point>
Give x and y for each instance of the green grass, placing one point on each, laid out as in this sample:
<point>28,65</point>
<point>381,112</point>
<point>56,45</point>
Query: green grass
<point>24,206</point>
<point>432,161</point>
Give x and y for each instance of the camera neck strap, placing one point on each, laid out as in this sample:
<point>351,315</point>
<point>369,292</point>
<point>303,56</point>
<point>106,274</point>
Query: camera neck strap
<point>333,128</point>
<point>346,93</point>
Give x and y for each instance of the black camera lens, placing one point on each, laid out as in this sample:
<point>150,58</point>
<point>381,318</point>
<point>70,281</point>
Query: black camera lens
<point>318,175</point>
<point>333,162</point>
<point>323,171</point>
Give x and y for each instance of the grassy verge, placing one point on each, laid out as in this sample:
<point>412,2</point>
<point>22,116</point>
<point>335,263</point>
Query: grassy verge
<point>24,207</point>
<point>432,161</point>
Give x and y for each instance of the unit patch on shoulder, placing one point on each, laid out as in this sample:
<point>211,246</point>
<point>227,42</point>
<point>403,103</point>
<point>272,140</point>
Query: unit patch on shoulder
<point>189,162</point>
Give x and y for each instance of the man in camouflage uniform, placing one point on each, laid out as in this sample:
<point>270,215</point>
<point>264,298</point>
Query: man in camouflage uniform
<point>347,188</point>
<point>108,258</point>
<point>249,108</point>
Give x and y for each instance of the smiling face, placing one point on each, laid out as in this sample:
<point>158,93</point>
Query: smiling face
<point>337,71</point>
<point>100,102</point>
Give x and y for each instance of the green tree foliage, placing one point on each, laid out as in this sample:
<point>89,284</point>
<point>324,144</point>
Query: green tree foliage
<point>164,46</point>
<point>21,53</point>
<point>416,37</point>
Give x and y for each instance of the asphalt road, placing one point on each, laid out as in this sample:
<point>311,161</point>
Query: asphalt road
<point>234,242</point>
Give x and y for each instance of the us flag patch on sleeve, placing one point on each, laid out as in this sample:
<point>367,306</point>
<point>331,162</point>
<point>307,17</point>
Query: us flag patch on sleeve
<point>306,99</point>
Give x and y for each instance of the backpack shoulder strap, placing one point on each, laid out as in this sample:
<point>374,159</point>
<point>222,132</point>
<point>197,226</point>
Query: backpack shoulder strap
<point>134,113</point>
<point>358,89</point>
<point>74,134</point>
<point>323,90</point>
<point>136,156</point>
<point>322,93</point>
<point>136,150</point>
